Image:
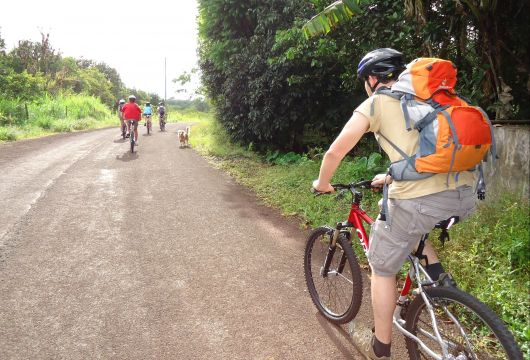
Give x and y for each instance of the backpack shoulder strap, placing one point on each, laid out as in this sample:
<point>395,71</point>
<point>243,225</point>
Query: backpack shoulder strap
<point>386,91</point>
<point>401,152</point>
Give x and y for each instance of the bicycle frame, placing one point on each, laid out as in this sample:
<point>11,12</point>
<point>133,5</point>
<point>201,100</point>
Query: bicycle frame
<point>355,221</point>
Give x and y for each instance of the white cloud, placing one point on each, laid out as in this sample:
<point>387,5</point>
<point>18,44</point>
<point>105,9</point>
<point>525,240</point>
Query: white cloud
<point>132,36</point>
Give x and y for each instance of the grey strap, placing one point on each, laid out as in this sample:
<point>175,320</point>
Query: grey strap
<point>401,152</point>
<point>404,108</point>
<point>384,207</point>
<point>452,126</point>
<point>493,148</point>
<point>429,118</point>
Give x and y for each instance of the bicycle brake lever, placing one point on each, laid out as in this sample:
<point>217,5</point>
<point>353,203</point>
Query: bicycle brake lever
<point>366,184</point>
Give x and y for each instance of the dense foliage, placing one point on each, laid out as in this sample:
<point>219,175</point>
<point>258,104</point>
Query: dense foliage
<point>274,89</point>
<point>33,70</point>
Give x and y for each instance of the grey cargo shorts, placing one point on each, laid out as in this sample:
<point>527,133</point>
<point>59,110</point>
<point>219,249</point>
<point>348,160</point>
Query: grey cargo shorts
<point>412,218</point>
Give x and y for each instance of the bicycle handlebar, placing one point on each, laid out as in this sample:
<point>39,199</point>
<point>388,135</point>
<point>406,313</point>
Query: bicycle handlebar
<point>364,184</point>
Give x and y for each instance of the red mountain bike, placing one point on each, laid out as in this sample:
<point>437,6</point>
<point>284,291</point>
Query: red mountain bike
<point>439,321</point>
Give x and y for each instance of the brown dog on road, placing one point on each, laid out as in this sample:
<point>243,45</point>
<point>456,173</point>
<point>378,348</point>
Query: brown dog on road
<point>184,137</point>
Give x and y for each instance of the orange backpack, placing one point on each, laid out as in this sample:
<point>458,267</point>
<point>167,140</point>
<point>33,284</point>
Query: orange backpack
<point>454,136</point>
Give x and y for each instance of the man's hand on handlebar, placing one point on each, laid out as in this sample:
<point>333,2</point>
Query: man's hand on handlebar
<point>379,180</point>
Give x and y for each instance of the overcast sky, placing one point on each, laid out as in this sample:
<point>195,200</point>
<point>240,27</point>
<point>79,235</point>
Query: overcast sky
<point>131,36</point>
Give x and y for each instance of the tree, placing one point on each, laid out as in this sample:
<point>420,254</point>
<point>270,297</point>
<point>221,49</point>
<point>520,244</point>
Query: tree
<point>477,35</point>
<point>260,74</point>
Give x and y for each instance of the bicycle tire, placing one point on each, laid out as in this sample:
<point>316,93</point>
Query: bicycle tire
<point>487,334</point>
<point>132,141</point>
<point>148,128</point>
<point>337,306</point>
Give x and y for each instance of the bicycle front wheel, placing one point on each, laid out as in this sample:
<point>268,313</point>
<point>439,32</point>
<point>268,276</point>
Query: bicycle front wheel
<point>468,328</point>
<point>337,292</point>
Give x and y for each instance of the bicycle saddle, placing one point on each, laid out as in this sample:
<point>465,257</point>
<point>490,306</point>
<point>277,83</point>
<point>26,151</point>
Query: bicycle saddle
<point>446,224</point>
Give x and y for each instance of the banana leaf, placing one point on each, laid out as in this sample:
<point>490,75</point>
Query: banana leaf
<point>335,14</point>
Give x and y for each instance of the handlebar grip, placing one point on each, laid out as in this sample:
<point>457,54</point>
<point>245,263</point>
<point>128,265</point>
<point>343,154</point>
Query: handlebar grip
<point>365,184</point>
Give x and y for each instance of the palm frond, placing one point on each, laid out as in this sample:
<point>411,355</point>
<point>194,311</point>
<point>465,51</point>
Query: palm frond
<point>335,14</point>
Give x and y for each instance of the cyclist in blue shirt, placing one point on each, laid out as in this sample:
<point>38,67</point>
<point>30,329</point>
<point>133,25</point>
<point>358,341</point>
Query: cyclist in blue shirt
<point>148,111</point>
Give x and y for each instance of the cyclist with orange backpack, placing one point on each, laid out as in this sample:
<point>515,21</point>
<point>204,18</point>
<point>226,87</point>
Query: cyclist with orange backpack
<point>413,205</point>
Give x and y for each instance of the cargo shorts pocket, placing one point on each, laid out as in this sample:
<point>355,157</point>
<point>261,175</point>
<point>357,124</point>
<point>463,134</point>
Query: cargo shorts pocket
<point>387,251</point>
<point>429,215</point>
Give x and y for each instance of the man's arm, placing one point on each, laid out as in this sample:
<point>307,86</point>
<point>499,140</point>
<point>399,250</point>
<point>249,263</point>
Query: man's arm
<point>347,139</point>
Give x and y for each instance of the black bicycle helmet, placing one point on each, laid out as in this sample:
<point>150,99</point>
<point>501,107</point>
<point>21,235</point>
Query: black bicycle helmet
<point>383,63</point>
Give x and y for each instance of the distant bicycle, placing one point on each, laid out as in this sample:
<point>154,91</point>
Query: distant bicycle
<point>124,130</point>
<point>131,132</point>
<point>162,122</point>
<point>161,110</point>
<point>149,124</point>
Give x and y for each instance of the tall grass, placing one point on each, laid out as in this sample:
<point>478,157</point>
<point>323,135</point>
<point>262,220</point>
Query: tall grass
<point>489,254</point>
<point>47,115</point>
<point>187,115</point>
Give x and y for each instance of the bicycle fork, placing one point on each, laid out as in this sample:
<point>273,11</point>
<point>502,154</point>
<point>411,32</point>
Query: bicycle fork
<point>334,236</point>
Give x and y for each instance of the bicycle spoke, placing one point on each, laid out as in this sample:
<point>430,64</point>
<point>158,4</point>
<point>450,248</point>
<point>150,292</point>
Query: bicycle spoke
<point>336,288</point>
<point>465,333</point>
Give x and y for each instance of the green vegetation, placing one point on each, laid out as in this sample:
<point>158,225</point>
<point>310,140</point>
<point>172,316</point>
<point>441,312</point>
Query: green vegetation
<point>275,89</point>
<point>488,253</point>
<point>42,93</point>
<point>19,120</point>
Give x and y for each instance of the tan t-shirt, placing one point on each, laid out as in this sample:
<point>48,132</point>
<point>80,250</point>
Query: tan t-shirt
<point>387,118</point>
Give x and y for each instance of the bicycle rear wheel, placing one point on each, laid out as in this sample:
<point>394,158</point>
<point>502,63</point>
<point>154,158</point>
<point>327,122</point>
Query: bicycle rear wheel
<point>470,329</point>
<point>132,140</point>
<point>337,294</point>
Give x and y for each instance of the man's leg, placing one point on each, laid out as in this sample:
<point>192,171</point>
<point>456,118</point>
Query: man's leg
<point>383,289</point>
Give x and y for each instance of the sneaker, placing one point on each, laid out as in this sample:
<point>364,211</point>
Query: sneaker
<point>446,279</point>
<point>363,339</point>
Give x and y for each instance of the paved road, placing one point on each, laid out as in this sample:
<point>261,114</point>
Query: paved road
<point>154,255</point>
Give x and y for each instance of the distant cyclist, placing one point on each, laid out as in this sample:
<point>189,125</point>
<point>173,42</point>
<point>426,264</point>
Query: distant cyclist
<point>120,115</point>
<point>161,110</point>
<point>148,111</point>
<point>132,112</point>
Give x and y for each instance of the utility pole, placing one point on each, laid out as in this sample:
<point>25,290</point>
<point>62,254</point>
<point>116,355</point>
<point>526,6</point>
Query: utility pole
<point>165,81</point>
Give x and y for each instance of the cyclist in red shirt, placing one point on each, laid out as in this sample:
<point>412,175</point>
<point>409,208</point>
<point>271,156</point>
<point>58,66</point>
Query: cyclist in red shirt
<point>131,111</point>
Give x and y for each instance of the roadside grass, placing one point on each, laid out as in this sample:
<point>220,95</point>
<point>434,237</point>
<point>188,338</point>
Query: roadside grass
<point>489,254</point>
<point>49,115</point>
<point>187,115</point>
